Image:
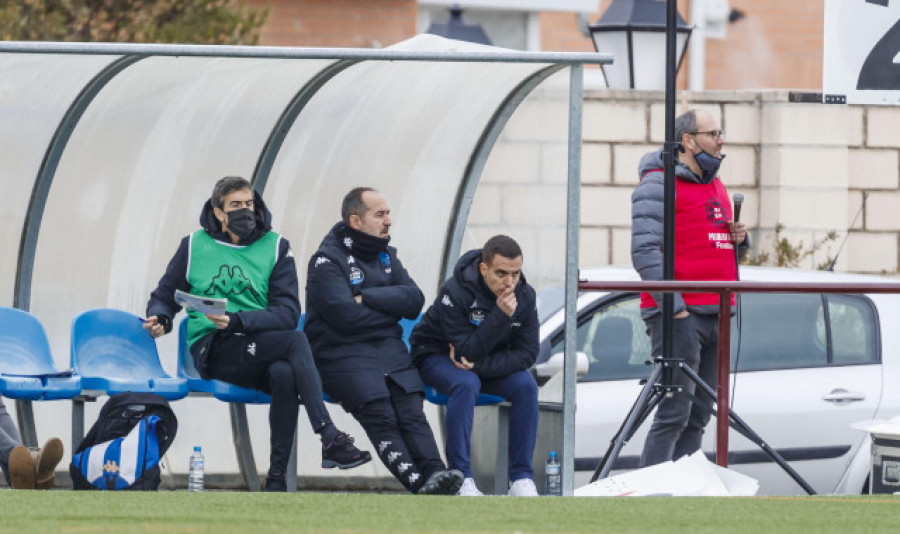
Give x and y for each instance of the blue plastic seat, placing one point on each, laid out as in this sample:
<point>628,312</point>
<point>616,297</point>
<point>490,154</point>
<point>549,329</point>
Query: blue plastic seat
<point>432,395</point>
<point>221,390</point>
<point>113,353</point>
<point>27,371</point>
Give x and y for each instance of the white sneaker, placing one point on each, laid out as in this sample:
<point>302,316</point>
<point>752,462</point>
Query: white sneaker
<point>524,487</point>
<point>469,489</point>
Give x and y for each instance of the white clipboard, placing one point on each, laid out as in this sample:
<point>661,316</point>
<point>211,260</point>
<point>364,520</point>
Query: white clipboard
<point>205,305</point>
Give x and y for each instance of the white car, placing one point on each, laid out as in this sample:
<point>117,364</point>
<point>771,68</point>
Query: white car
<point>805,367</point>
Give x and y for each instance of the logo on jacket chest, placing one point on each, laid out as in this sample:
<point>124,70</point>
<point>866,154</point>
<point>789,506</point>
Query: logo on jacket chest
<point>357,276</point>
<point>476,316</point>
<point>476,313</point>
<point>385,260</point>
<point>231,280</point>
<point>715,214</point>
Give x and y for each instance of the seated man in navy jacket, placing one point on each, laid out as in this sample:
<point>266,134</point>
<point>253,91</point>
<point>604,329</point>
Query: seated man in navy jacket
<point>481,335</point>
<point>255,343</point>
<point>356,293</point>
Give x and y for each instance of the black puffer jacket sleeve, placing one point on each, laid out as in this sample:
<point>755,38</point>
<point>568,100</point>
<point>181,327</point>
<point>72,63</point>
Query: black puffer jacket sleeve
<point>647,204</point>
<point>162,300</point>
<point>283,311</point>
<point>496,347</point>
<point>329,293</point>
<point>518,355</point>
<point>402,300</point>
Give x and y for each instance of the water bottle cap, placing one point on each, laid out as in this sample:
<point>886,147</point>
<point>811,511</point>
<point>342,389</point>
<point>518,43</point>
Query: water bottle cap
<point>197,448</point>
<point>552,454</point>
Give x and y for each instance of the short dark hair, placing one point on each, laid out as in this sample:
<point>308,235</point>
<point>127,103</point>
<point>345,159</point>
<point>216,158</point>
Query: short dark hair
<point>353,204</point>
<point>502,245</point>
<point>224,187</point>
<point>685,123</point>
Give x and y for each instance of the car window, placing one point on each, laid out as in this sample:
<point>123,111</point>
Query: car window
<point>550,301</point>
<point>778,331</point>
<point>614,338</point>
<point>786,331</point>
<point>854,332</point>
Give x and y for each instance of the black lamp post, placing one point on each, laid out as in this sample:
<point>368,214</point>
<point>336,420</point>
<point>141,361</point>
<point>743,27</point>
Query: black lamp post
<point>457,29</point>
<point>668,22</point>
<point>634,32</point>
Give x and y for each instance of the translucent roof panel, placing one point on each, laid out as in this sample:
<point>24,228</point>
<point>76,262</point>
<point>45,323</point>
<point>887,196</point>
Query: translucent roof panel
<point>35,93</point>
<point>408,129</point>
<point>137,170</point>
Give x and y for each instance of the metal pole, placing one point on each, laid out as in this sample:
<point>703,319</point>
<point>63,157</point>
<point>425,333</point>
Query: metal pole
<point>724,354</point>
<point>670,154</point>
<point>277,52</point>
<point>573,220</point>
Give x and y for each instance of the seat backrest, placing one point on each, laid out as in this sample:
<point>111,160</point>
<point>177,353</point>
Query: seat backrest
<point>407,325</point>
<point>113,344</point>
<point>186,367</point>
<point>24,348</point>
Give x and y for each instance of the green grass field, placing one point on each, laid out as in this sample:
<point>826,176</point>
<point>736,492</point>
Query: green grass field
<point>224,512</point>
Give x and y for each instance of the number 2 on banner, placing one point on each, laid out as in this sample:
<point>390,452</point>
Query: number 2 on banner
<point>879,71</point>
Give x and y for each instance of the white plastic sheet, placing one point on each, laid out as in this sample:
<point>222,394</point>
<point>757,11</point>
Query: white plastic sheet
<point>692,475</point>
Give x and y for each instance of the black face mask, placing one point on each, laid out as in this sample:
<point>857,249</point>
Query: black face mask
<point>241,222</point>
<point>709,164</point>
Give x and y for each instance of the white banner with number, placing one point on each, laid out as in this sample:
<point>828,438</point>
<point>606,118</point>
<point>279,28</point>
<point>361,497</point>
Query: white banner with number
<point>862,51</point>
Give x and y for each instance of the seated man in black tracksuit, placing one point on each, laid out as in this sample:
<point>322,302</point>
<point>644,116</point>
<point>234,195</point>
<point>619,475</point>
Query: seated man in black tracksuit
<point>255,344</point>
<point>356,293</point>
<point>481,335</point>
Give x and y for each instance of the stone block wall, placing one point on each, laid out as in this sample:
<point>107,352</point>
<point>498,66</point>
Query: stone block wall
<point>811,168</point>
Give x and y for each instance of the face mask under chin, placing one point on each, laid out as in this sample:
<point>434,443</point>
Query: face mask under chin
<point>241,222</point>
<point>708,164</point>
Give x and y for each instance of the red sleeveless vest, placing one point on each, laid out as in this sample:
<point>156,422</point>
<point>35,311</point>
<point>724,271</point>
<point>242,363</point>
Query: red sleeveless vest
<point>703,246</point>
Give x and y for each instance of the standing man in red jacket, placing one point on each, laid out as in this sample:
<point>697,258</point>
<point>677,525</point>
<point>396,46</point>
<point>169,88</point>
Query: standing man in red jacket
<point>705,236</point>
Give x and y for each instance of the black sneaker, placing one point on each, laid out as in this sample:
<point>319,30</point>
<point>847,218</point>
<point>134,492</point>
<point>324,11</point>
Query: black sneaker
<point>275,483</point>
<point>443,483</point>
<point>343,454</point>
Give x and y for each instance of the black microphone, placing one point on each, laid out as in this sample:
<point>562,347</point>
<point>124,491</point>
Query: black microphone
<point>738,200</point>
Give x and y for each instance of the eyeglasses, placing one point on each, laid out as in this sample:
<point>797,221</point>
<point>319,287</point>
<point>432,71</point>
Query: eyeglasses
<point>715,134</point>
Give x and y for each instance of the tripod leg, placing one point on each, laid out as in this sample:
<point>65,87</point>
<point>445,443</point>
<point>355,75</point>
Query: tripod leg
<point>635,416</point>
<point>749,433</point>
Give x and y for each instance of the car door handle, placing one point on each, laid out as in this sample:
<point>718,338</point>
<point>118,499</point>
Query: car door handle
<point>842,396</point>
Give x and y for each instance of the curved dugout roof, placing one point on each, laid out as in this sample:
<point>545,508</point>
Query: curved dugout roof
<point>109,157</point>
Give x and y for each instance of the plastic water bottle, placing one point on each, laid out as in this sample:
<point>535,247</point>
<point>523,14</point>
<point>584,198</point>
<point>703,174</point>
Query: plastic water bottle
<point>553,476</point>
<point>195,474</point>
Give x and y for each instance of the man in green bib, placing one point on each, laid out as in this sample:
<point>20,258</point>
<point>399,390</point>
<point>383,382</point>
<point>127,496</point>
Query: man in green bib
<point>255,343</point>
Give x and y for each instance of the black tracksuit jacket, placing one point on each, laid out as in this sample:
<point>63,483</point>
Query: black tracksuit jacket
<point>465,313</point>
<point>362,341</point>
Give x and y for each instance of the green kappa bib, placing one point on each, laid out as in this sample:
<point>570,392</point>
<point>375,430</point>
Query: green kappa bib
<point>237,273</point>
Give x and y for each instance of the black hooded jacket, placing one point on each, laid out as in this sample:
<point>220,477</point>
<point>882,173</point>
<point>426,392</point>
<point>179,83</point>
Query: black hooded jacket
<point>283,312</point>
<point>465,313</point>
<point>337,272</point>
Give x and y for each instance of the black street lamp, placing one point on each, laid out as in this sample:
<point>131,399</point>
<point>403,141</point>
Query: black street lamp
<point>634,32</point>
<point>457,29</point>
